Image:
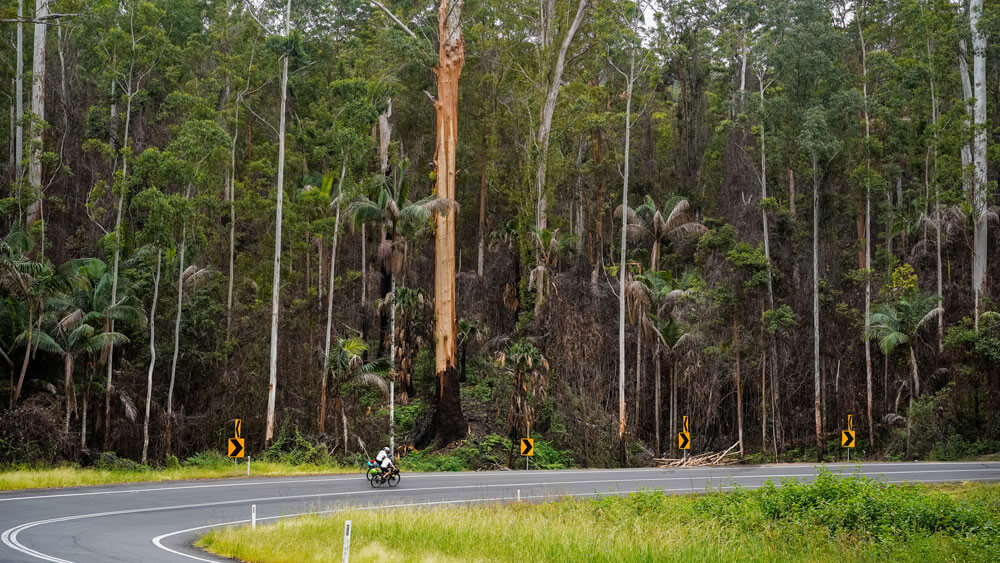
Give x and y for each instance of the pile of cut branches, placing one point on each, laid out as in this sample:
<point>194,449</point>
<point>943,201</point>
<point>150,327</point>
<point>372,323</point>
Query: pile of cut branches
<point>709,458</point>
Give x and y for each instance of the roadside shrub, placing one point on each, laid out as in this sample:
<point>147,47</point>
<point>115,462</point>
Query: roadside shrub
<point>32,435</point>
<point>109,461</point>
<point>291,447</point>
<point>857,506</point>
<point>208,459</point>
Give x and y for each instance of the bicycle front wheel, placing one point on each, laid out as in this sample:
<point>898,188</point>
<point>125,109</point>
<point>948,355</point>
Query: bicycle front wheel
<point>393,479</point>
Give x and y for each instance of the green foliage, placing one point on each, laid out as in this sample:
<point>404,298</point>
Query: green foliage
<point>860,507</point>
<point>292,447</point>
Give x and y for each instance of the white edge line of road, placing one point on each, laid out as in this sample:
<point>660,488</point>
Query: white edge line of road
<point>346,477</point>
<point>158,540</point>
<point>9,536</point>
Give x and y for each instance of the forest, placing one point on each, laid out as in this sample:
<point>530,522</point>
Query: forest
<point>452,224</point>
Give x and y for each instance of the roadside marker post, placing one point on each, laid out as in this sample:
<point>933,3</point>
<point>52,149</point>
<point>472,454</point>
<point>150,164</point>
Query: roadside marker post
<point>235,445</point>
<point>847,436</point>
<point>253,516</point>
<point>684,437</point>
<point>527,450</point>
<point>347,541</point>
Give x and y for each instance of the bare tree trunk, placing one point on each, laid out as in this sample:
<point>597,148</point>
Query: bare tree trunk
<point>815,261</point>
<point>329,302</point>
<point>624,246</point>
<point>152,355</point>
<point>177,335</point>
<point>38,110</point>
<point>276,284</point>
<point>83,415</point>
<point>658,375</point>
<point>966,152</point>
<point>673,406</point>
<point>979,154</point>
<point>27,358</point>
<point>638,374</point>
<point>739,385</point>
<point>481,243</point>
<point>364,265</point>
<point>449,421</point>
<point>545,122</point>
<point>19,94</point>
<point>68,388</point>
<point>868,237</point>
<point>578,227</point>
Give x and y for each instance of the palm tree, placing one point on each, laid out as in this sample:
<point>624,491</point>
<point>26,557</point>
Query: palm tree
<point>528,371</point>
<point>346,364</point>
<point>83,319</point>
<point>897,326</point>
<point>409,306</point>
<point>549,246</point>
<point>671,223</point>
<point>34,282</point>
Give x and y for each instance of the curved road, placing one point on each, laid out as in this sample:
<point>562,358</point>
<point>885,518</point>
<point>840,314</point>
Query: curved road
<point>159,522</point>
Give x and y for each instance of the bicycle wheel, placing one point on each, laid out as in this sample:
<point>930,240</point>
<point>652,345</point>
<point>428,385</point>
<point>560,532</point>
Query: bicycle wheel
<point>376,481</point>
<point>372,472</point>
<point>393,479</point>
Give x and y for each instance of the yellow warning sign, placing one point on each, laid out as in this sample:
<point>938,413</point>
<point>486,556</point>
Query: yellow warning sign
<point>527,446</point>
<point>847,436</point>
<point>235,444</point>
<point>684,437</point>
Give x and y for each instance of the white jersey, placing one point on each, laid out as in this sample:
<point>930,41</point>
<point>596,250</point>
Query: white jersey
<point>383,459</point>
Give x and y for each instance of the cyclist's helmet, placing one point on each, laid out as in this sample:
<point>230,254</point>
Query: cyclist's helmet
<point>386,449</point>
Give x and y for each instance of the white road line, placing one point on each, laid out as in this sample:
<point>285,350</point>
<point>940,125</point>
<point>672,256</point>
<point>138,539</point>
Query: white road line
<point>9,536</point>
<point>463,474</point>
<point>158,540</point>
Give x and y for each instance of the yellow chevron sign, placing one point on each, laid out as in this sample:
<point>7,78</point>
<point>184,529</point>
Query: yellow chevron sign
<point>847,436</point>
<point>684,437</point>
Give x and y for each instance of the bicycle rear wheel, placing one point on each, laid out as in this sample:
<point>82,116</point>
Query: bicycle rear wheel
<point>376,481</point>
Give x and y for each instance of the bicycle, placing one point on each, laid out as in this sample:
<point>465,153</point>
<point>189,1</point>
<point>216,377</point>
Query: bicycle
<point>371,469</point>
<point>381,478</point>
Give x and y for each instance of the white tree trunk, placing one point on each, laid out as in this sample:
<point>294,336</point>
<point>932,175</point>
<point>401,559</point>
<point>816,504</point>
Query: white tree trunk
<point>979,153</point>
<point>545,123</point>
<point>624,245</point>
<point>966,152</point>
<point>37,109</point>
<point>329,302</point>
<point>868,238</point>
<point>276,283</point>
<point>19,93</point>
<point>152,355</point>
<point>177,335</point>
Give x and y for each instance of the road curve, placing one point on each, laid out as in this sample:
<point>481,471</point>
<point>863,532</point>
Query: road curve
<point>159,522</point>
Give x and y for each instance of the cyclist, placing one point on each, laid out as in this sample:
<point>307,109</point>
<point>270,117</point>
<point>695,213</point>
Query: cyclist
<point>384,460</point>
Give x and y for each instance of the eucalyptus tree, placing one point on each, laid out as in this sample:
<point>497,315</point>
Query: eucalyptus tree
<point>36,146</point>
<point>979,179</point>
<point>279,198</point>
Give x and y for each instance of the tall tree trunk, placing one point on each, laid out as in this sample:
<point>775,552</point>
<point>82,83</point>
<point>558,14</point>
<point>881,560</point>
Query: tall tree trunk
<point>449,423</point>
<point>867,264</point>
<point>966,152</point>
<point>329,302</point>
<point>545,122</point>
<point>481,235</point>
<point>815,300</point>
<point>979,154</point>
<point>68,387</point>
<point>37,109</point>
<point>276,283</point>
<point>624,246</point>
<point>27,358</point>
<point>19,95</point>
<point>658,375</point>
<point>739,385</point>
<point>83,414</point>
<point>177,336</point>
<point>638,374</point>
<point>152,355</point>
<point>673,407</point>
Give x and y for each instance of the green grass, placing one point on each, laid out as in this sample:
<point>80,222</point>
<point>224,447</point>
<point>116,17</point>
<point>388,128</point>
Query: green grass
<point>200,467</point>
<point>832,520</point>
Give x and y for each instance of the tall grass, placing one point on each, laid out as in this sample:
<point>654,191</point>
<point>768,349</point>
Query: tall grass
<point>647,526</point>
<point>209,465</point>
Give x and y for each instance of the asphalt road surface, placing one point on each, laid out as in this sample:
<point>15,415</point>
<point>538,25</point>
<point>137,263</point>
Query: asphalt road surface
<point>159,522</point>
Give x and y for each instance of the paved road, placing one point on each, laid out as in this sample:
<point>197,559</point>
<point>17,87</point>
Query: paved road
<point>159,522</point>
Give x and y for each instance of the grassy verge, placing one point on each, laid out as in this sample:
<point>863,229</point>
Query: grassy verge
<point>20,478</point>
<point>831,520</point>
